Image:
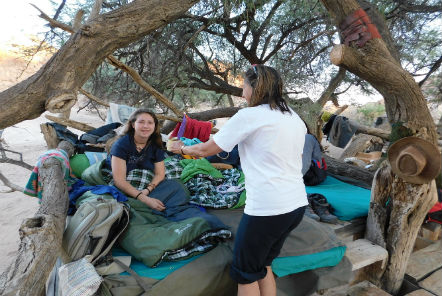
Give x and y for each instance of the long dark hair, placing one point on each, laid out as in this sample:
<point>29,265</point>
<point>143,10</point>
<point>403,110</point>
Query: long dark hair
<point>154,138</point>
<point>267,87</point>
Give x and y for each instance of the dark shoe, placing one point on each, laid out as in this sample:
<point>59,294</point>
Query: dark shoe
<point>310,213</point>
<point>321,207</point>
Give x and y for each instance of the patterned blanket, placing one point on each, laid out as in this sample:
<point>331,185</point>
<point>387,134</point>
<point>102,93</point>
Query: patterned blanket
<point>33,187</point>
<point>211,192</point>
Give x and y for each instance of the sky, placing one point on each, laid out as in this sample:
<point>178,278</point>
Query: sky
<point>18,19</point>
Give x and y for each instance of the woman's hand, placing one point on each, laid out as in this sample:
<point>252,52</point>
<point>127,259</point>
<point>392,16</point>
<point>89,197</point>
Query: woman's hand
<point>175,147</point>
<point>153,203</point>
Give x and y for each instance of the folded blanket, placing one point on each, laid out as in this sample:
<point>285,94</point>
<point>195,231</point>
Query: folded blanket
<point>192,167</point>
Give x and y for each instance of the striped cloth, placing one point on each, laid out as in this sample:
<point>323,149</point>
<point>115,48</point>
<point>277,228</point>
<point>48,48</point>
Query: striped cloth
<point>33,187</point>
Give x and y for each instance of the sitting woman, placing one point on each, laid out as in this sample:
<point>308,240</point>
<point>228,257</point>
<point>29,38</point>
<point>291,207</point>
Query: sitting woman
<point>313,165</point>
<point>163,225</point>
<point>140,147</point>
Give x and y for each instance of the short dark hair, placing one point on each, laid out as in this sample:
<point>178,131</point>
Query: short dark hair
<point>267,87</point>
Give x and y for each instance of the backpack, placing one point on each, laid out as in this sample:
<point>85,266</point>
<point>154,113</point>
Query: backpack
<point>94,228</point>
<point>316,174</point>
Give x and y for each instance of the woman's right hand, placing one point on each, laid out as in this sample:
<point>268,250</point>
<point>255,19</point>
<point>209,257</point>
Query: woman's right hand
<point>175,147</point>
<point>153,203</point>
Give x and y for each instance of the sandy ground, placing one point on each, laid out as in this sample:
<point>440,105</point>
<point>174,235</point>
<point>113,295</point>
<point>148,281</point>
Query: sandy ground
<point>27,139</point>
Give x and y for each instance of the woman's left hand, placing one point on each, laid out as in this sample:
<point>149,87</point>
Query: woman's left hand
<point>153,203</point>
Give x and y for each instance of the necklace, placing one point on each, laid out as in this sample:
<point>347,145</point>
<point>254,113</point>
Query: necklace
<point>139,146</point>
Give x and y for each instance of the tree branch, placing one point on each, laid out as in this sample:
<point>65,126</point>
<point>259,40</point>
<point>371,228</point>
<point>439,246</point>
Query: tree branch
<point>9,184</point>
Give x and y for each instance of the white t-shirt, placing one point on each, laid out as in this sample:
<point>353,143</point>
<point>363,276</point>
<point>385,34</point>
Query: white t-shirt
<point>270,145</point>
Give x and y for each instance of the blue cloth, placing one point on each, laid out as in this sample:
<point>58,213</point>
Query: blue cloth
<point>312,151</point>
<point>348,201</point>
<point>94,157</point>
<point>231,158</point>
<point>125,148</point>
<point>283,266</point>
<point>258,241</point>
<point>159,272</point>
<point>175,197</point>
<point>190,142</point>
<point>79,188</point>
<point>105,129</point>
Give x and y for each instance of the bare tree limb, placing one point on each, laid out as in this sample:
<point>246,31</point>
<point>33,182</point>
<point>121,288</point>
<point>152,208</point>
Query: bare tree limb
<point>95,11</point>
<point>72,123</point>
<point>138,79</point>
<point>76,24</point>
<point>54,23</point>
<point>9,184</point>
<point>94,98</point>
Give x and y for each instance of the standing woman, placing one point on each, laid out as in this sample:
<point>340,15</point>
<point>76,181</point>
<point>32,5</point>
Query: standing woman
<point>140,147</point>
<point>270,138</point>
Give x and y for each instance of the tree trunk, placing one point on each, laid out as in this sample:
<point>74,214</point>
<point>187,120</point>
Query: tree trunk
<point>55,85</point>
<point>404,102</point>
<point>40,236</point>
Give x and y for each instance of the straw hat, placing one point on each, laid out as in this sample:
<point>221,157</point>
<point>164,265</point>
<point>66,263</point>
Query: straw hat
<point>415,160</point>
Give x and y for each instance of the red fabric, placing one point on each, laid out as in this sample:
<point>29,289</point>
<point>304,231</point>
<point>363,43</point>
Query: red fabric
<point>194,129</point>
<point>436,207</point>
<point>357,27</point>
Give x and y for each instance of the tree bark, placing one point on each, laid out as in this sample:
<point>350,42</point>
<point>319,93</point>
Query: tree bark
<point>71,123</point>
<point>337,167</point>
<point>404,102</point>
<point>204,116</point>
<point>40,236</point>
<point>62,76</point>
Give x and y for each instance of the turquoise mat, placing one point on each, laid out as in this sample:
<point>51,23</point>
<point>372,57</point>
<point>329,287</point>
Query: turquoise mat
<point>283,266</point>
<point>348,201</point>
<point>159,272</point>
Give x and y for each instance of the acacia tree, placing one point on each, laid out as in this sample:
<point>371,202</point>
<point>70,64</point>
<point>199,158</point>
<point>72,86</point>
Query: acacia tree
<point>55,85</point>
<point>395,227</point>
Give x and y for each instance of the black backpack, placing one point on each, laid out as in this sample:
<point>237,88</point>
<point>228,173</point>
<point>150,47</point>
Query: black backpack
<point>316,174</point>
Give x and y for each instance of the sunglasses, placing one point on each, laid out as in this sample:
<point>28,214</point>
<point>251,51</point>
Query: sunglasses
<point>255,69</point>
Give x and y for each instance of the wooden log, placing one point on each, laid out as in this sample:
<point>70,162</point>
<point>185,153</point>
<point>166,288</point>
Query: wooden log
<point>49,135</point>
<point>373,131</point>
<point>365,288</point>
<point>360,143</point>
<point>40,236</point>
<point>420,292</point>
<point>425,261</point>
<point>433,283</point>
<point>362,253</point>
<point>431,230</point>
<point>71,123</point>
<point>337,167</point>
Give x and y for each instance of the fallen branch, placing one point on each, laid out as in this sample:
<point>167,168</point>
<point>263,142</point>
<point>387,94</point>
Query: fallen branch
<point>373,131</point>
<point>9,184</point>
<point>71,123</point>
<point>337,167</point>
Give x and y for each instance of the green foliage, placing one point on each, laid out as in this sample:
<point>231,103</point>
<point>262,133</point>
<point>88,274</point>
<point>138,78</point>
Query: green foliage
<point>370,112</point>
<point>295,37</point>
